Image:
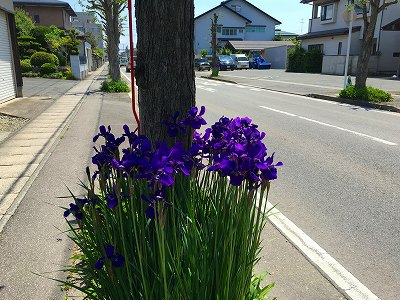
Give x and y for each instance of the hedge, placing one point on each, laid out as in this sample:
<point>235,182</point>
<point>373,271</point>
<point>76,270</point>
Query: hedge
<point>40,58</point>
<point>302,61</point>
<point>48,68</point>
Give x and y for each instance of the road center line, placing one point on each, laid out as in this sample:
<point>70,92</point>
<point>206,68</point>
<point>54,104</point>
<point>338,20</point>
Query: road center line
<point>333,126</point>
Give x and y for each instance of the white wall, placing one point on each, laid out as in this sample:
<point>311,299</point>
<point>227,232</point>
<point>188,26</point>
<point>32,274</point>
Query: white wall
<point>276,56</point>
<point>202,27</point>
<point>331,44</point>
<point>229,19</point>
<point>390,43</point>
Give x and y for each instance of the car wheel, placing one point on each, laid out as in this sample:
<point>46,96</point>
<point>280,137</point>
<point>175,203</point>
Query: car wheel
<point>198,69</point>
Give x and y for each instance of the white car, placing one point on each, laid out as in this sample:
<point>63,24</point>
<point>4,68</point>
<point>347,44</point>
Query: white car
<point>241,61</point>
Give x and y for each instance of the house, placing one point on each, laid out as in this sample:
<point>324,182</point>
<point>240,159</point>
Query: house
<point>238,20</point>
<point>85,22</point>
<point>10,72</point>
<point>328,32</point>
<point>284,35</point>
<point>48,12</point>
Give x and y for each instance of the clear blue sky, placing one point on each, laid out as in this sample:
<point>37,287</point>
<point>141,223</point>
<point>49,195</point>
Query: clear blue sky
<point>290,12</point>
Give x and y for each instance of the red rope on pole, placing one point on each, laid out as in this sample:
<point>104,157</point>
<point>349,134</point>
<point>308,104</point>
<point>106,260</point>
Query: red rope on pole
<point>132,65</point>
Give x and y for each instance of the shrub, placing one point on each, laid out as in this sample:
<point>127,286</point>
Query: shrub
<point>368,94</point>
<point>62,59</point>
<point>67,74</point>
<point>48,68</point>
<point>26,66</point>
<point>302,61</point>
<point>57,75</point>
<point>114,87</point>
<point>55,59</point>
<point>40,58</point>
<point>31,74</point>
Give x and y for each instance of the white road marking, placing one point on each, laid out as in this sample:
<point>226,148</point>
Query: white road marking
<point>289,82</point>
<point>256,90</point>
<point>211,83</point>
<point>333,126</point>
<point>342,279</point>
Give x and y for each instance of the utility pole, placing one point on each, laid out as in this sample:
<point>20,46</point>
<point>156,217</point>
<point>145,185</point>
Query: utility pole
<point>214,63</point>
<point>346,66</point>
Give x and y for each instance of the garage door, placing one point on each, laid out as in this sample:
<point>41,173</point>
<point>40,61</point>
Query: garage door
<point>7,82</point>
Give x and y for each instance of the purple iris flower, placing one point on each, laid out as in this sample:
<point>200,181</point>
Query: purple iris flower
<point>174,127</point>
<point>112,200</point>
<point>195,120</point>
<point>74,210</point>
<point>117,260</point>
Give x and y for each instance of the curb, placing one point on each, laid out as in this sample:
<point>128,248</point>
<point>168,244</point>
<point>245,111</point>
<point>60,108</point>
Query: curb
<point>219,79</point>
<point>356,102</point>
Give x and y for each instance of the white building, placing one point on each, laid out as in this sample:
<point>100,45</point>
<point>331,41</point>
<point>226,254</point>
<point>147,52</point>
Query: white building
<point>328,32</point>
<point>238,20</point>
<point>10,72</point>
<point>85,22</point>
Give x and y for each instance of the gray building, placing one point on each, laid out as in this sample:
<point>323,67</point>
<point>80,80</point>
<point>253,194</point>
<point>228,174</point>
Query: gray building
<point>239,20</point>
<point>85,22</point>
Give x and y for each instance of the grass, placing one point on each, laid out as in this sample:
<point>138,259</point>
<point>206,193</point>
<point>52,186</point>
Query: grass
<point>114,87</point>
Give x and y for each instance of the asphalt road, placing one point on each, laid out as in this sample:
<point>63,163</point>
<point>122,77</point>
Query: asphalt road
<point>341,176</point>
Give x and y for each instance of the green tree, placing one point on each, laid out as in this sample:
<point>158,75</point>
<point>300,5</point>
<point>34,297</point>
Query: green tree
<point>54,39</point>
<point>204,53</point>
<point>23,23</point>
<point>109,13</point>
<point>370,19</point>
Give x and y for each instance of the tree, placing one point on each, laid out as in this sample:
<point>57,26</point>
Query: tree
<point>109,13</point>
<point>204,53</point>
<point>368,36</point>
<point>165,64</point>
<point>214,25</point>
<point>23,23</point>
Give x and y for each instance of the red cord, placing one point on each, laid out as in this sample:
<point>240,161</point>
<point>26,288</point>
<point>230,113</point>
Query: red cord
<point>132,66</point>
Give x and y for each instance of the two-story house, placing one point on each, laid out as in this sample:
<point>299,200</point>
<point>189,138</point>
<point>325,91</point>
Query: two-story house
<point>328,32</point>
<point>238,20</point>
<point>10,71</point>
<point>48,12</point>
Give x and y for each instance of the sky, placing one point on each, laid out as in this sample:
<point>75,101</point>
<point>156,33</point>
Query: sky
<point>293,15</point>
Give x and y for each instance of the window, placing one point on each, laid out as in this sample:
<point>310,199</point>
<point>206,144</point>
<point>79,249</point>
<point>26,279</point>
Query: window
<point>358,6</point>
<point>396,54</point>
<point>316,47</point>
<point>229,31</point>
<point>255,29</point>
<point>36,19</point>
<point>327,12</point>
<point>236,8</point>
<point>219,29</point>
<point>339,50</point>
<point>240,30</point>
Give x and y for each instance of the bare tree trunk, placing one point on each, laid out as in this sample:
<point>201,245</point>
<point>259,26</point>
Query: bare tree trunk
<point>214,63</point>
<point>113,37</point>
<point>366,49</point>
<point>165,65</point>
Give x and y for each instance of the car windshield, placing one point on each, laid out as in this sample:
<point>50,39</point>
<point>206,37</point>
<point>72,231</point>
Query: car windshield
<point>202,60</point>
<point>242,59</point>
<point>225,58</point>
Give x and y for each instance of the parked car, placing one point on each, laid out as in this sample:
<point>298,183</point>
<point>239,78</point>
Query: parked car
<point>202,64</point>
<point>226,63</point>
<point>129,65</point>
<point>123,61</point>
<point>241,61</point>
<point>259,63</point>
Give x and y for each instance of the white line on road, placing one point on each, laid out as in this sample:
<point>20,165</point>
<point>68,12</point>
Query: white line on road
<point>342,279</point>
<point>333,126</point>
<point>288,82</point>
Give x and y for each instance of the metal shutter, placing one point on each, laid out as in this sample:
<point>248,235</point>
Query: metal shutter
<point>7,82</point>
